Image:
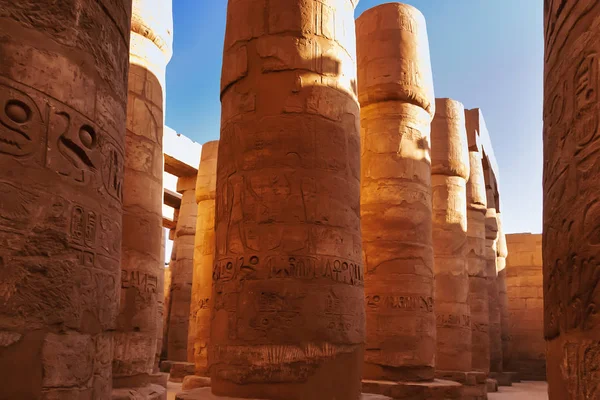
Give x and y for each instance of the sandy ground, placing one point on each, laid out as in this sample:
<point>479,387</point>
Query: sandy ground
<point>518,391</point>
<point>521,391</point>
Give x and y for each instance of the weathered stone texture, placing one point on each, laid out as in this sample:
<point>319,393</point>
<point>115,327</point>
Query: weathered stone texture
<point>397,105</point>
<point>182,272</point>
<point>501,254</point>
<point>449,173</point>
<point>141,265</point>
<point>63,94</point>
<point>476,262</point>
<point>204,249</point>
<point>571,241</point>
<point>524,282</point>
<point>491,241</point>
<point>288,313</point>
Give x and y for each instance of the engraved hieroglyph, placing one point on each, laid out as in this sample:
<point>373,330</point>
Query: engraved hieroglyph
<point>63,91</point>
<point>204,252</point>
<point>571,234</point>
<point>476,263</point>
<point>141,264</point>
<point>287,304</point>
<point>449,173</point>
<point>397,106</point>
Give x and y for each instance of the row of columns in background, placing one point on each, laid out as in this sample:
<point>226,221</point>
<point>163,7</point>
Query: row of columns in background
<point>63,202</point>
<point>396,179</point>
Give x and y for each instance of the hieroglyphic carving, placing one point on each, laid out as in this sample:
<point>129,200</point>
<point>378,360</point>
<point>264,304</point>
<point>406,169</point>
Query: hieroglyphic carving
<point>400,302</point>
<point>72,145</point>
<point>21,121</point>
<point>83,234</point>
<point>144,282</point>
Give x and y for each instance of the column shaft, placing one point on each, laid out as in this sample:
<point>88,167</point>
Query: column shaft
<point>450,171</point>
<point>571,238</point>
<point>396,216</point>
<point>288,313</point>
<point>63,93</point>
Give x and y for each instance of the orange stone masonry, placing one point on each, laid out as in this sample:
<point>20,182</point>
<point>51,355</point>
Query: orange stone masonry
<point>524,282</point>
<point>397,105</point>
<point>63,96</point>
<point>287,304</point>
<point>204,248</point>
<point>571,241</point>
<point>476,209</point>
<point>450,171</point>
<point>141,265</point>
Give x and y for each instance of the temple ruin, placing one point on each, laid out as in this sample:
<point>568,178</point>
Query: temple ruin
<point>342,239</point>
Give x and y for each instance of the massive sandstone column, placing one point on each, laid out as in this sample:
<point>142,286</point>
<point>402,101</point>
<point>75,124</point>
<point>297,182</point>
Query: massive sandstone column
<point>449,174</point>
<point>63,92</point>
<point>204,249</point>
<point>501,254</point>
<point>476,263</point>
<point>288,315</point>
<point>397,105</point>
<point>181,272</point>
<point>571,242</point>
<point>491,240</point>
<point>141,265</point>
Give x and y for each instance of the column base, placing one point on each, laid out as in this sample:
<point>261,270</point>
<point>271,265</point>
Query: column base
<point>206,394</point>
<point>159,378</point>
<point>195,382</point>
<point>165,366</point>
<point>492,385</point>
<point>437,389</point>
<point>180,370</point>
<point>474,383</point>
<point>504,378</point>
<point>148,392</point>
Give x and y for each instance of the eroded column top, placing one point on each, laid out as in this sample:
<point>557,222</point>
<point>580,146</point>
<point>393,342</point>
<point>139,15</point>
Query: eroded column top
<point>152,35</point>
<point>449,150</point>
<point>207,172</point>
<point>501,246</point>
<point>393,55</point>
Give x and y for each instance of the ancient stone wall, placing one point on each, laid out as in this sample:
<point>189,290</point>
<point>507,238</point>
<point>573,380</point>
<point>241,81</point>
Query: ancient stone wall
<point>524,284</point>
<point>571,241</point>
<point>63,96</point>
<point>288,314</point>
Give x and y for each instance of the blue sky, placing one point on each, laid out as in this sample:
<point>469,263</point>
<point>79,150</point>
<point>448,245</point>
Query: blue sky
<point>484,53</point>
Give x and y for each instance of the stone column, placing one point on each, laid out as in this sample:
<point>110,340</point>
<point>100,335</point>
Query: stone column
<point>167,309</point>
<point>476,263</point>
<point>501,254</point>
<point>181,272</point>
<point>204,251</point>
<point>491,239</point>
<point>63,92</point>
<point>288,315</point>
<point>449,174</point>
<point>161,303</point>
<point>392,50</point>
<point>141,265</point>
<point>571,242</point>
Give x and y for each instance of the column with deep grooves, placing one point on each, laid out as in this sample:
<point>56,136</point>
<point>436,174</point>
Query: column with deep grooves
<point>287,304</point>
<point>571,232</point>
<point>63,94</point>
<point>397,106</point>
<point>476,263</point>
<point>204,248</point>
<point>142,266</point>
<point>449,174</point>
